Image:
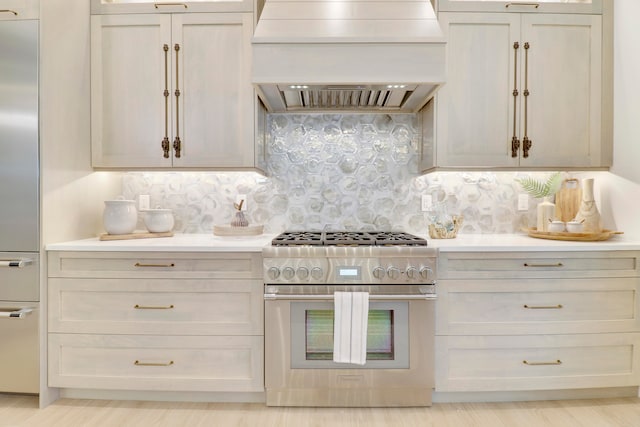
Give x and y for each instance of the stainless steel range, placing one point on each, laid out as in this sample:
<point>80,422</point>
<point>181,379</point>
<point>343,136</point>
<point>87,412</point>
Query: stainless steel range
<point>306,274</point>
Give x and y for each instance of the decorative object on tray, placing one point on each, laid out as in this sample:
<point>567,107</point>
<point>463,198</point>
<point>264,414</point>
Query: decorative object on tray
<point>588,212</point>
<point>239,219</point>
<point>568,199</point>
<point>584,236</point>
<point>120,216</point>
<point>447,229</point>
<point>158,220</point>
<point>239,224</point>
<point>131,236</point>
<point>546,209</point>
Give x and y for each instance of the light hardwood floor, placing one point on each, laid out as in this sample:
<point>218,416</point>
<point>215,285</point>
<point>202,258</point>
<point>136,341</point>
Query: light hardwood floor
<point>21,411</point>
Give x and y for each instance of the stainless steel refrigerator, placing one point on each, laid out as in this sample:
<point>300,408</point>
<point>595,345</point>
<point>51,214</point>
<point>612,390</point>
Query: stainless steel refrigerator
<point>19,207</point>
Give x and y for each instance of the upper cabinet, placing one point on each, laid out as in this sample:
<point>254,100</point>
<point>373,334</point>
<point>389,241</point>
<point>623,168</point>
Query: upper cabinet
<point>524,90</point>
<point>19,9</point>
<point>539,6</point>
<point>172,90</point>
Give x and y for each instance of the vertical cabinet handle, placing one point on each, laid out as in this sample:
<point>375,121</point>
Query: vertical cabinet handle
<point>526,142</point>
<point>177,144</point>
<point>165,140</point>
<point>515,143</point>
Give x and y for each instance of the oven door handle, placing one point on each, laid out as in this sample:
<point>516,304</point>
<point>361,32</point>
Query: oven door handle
<point>271,297</point>
<point>19,314</point>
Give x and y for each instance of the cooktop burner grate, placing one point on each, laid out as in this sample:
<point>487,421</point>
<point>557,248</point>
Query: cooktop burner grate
<point>347,238</point>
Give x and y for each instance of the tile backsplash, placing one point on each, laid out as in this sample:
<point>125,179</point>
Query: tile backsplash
<point>355,172</point>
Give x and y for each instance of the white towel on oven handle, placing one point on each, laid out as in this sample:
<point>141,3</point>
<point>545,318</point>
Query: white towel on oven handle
<point>351,314</point>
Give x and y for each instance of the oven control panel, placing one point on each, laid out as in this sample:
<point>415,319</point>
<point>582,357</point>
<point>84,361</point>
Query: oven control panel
<point>349,271</point>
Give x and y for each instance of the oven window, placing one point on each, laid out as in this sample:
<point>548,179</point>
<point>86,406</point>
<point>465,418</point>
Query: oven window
<point>319,335</point>
<point>312,336</point>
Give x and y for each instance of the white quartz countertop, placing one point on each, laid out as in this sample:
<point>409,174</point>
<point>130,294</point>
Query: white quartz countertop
<point>462,243</point>
<point>522,242</point>
<point>177,243</point>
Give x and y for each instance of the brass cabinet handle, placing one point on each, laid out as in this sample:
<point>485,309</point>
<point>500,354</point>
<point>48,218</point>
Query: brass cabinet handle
<point>543,265</point>
<point>9,11</point>
<point>542,307</point>
<point>153,307</point>
<point>138,264</point>
<point>555,362</point>
<point>526,142</point>
<point>515,142</point>
<point>177,144</point>
<point>139,363</point>
<point>165,140</point>
<point>535,5</point>
<point>157,5</point>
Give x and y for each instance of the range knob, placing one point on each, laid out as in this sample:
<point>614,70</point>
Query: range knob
<point>378,272</point>
<point>316,273</point>
<point>394,273</point>
<point>273,273</point>
<point>302,273</point>
<point>288,273</point>
<point>412,273</point>
<point>426,273</point>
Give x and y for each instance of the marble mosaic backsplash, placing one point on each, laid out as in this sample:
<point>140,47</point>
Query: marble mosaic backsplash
<point>338,172</point>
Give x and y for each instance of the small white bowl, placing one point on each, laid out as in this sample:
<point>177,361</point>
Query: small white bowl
<point>575,227</point>
<point>158,220</point>
<point>555,226</point>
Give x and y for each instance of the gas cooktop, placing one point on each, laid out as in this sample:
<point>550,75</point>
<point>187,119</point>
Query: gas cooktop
<point>347,238</point>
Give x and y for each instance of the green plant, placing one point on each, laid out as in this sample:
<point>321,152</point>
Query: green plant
<point>539,189</point>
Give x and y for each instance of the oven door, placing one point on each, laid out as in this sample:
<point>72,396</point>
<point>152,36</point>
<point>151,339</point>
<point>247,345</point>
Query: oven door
<point>299,367</point>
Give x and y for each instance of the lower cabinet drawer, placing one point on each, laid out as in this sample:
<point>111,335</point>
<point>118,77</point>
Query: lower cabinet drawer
<point>537,362</point>
<point>168,363</point>
<point>156,306</point>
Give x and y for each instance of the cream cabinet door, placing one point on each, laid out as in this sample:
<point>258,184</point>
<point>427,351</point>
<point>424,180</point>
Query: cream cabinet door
<point>475,111</point>
<point>127,90</point>
<point>215,114</point>
<point>179,78</point>
<point>563,70</point>
<point>513,77</point>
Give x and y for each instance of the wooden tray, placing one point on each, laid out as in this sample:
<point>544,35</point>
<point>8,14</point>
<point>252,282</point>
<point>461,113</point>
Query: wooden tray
<point>227,230</point>
<point>584,237</point>
<point>141,235</point>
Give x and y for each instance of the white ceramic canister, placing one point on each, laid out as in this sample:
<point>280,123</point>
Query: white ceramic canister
<point>158,220</point>
<point>120,216</point>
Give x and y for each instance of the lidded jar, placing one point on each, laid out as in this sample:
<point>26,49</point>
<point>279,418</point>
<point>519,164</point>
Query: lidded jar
<point>120,216</point>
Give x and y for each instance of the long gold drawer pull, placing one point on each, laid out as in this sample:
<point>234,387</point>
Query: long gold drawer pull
<point>554,363</point>
<point>157,5</point>
<point>139,363</point>
<point>166,144</point>
<point>138,264</point>
<point>153,307</point>
<point>535,5</point>
<point>515,142</point>
<point>544,265</point>
<point>9,11</point>
<point>543,307</point>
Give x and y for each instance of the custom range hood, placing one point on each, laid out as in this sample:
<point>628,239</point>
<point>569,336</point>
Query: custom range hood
<point>347,55</point>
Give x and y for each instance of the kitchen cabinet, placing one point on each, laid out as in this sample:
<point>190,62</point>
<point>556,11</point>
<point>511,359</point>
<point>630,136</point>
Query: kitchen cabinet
<point>524,90</point>
<point>156,321</point>
<point>19,9</point>
<point>155,6</point>
<point>172,90</point>
<point>537,321</point>
<point>544,6</point>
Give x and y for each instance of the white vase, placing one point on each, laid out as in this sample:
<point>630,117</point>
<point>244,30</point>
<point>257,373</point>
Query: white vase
<point>588,213</point>
<point>546,212</point>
